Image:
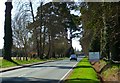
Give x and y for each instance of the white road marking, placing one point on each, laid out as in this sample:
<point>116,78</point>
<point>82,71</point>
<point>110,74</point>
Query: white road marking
<point>67,73</point>
<point>21,75</point>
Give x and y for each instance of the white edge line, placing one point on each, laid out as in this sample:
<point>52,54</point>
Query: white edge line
<point>67,73</point>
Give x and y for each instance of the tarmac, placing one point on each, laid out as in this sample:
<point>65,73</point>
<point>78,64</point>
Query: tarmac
<point>22,66</point>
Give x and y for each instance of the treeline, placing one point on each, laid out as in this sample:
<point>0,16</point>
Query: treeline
<point>44,34</point>
<point>101,24</point>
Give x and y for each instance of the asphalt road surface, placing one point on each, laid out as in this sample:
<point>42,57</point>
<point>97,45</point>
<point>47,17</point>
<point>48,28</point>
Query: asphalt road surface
<point>51,72</point>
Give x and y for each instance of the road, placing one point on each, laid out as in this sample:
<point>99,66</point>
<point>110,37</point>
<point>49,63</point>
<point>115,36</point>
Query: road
<point>51,72</point>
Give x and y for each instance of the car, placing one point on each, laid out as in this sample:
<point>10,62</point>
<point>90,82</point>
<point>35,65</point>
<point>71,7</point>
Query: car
<point>73,57</point>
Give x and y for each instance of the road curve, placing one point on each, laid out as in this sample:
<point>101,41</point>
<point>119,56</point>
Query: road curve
<point>51,72</point>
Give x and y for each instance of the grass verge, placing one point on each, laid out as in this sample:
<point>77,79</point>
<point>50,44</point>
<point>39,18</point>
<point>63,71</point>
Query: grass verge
<point>5,63</point>
<point>83,73</point>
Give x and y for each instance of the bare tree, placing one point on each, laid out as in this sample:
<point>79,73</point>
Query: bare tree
<point>21,33</point>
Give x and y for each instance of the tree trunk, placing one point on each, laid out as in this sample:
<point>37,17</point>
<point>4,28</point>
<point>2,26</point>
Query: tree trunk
<point>44,35</point>
<point>104,43</point>
<point>41,55</point>
<point>8,32</point>
<point>49,48</point>
<point>35,31</point>
<point>25,50</point>
<point>52,47</point>
<point>70,37</point>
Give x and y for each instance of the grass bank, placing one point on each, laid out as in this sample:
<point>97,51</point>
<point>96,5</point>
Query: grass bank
<point>5,63</point>
<point>83,73</point>
<point>111,73</point>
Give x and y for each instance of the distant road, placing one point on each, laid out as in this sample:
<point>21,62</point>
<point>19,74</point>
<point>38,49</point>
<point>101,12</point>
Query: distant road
<point>51,72</point>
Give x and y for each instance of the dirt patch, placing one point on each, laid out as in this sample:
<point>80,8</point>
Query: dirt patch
<point>98,66</point>
<point>106,72</point>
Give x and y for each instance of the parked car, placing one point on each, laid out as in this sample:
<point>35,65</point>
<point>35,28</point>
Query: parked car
<point>73,57</point>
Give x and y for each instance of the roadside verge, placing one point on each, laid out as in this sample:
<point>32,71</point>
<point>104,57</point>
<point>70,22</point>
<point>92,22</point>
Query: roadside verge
<point>83,73</point>
<point>22,66</point>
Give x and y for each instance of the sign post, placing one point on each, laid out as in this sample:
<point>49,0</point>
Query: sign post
<point>94,56</point>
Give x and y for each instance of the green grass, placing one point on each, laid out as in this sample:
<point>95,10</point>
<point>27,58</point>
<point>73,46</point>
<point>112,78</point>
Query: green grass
<point>83,73</point>
<point>112,70</point>
<point>5,63</point>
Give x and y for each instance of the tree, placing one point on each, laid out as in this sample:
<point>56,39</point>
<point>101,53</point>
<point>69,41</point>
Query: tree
<point>35,30</point>
<point>8,31</point>
<point>21,35</point>
<point>58,20</point>
<point>52,21</point>
<point>101,19</point>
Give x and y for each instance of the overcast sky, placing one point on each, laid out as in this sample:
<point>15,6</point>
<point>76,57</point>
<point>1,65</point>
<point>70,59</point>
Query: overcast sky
<point>2,17</point>
<point>2,10</point>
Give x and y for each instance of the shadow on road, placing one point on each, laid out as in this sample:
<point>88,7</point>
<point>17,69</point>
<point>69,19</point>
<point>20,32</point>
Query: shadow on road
<point>27,80</point>
<point>60,67</point>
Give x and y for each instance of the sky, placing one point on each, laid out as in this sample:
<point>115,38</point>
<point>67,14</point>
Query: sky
<point>2,14</point>
<point>75,42</point>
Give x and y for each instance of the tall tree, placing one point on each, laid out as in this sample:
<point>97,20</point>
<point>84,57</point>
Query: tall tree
<point>53,21</point>
<point>35,30</point>
<point>101,19</point>
<point>8,31</point>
